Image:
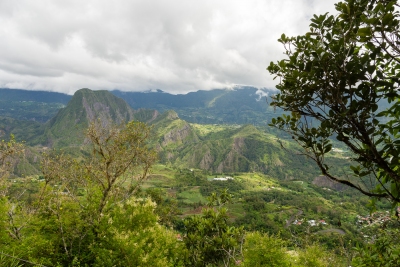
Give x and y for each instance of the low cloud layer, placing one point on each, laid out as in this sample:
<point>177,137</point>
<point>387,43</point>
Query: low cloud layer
<point>177,46</point>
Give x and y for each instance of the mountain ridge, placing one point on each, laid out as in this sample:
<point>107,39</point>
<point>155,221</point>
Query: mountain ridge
<point>224,106</point>
<point>213,148</point>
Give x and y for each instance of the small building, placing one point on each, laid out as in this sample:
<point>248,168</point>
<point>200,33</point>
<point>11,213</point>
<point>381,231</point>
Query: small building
<point>312,223</point>
<point>223,178</point>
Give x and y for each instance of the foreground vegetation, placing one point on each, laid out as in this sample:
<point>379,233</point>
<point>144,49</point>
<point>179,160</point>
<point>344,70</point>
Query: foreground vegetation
<point>99,210</point>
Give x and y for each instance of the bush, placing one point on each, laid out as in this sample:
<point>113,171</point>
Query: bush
<point>265,250</point>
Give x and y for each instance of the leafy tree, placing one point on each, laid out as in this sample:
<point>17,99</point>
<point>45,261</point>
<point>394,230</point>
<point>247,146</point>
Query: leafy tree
<point>264,250</point>
<point>384,251</point>
<point>9,150</point>
<point>317,256</point>
<point>79,193</point>
<point>334,82</point>
<point>209,239</point>
<point>131,236</point>
<point>15,215</point>
<point>119,162</point>
<point>167,209</point>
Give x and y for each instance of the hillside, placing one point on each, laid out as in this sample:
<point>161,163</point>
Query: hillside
<point>86,106</point>
<point>37,106</point>
<point>231,149</point>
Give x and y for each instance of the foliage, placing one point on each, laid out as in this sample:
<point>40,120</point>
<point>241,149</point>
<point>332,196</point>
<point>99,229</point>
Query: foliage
<point>8,151</point>
<point>333,81</point>
<point>130,236</point>
<point>166,209</point>
<point>384,251</point>
<point>8,260</point>
<point>211,186</point>
<point>209,239</point>
<point>80,196</point>
<point>316,256</point>
<point>111,171</point>
<point>264,250</point>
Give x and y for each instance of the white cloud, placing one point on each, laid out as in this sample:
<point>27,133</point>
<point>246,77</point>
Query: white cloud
<point>176,46</point>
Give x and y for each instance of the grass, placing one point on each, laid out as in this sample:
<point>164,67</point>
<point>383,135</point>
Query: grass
<point>205,129</point>
<point>192,195</point>
<point>256,181</point>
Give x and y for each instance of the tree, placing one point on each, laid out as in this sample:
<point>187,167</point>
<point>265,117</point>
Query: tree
<point>79,193</point>
<point>9,150</point>
<point>209,239</point>
<point>131,236</point>
<point>384,251</point>
<point>118,164</point>
<point>335,80</point>
<point>264,250</point>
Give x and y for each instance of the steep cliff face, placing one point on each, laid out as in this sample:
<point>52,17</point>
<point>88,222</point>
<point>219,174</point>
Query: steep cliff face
<point>234,159</point>
<point>86,106</point>
<point>172,131</point>
<point>146,115</point>
<point>323,181</point>
<point>177,136</point>
<point>207,161</point>
<point>235,149</point>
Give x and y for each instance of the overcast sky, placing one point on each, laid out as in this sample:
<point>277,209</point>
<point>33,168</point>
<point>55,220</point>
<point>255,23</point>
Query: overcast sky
<point>136,45</point>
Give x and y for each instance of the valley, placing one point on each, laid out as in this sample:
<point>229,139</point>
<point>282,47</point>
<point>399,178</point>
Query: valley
<point>275,190</point>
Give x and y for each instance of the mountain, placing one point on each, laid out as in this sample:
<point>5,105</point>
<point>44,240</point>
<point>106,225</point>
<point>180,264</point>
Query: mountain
<point>25,105</point>
<point>240,105</point>
<point>22,129</point>
<point>222,106</point>
<point>228,149</point>
<point>215,148</point>
<point>67,127</point>
<point>12,95</point>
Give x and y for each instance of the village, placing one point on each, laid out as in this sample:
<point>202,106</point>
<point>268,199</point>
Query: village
<point>376,218</point>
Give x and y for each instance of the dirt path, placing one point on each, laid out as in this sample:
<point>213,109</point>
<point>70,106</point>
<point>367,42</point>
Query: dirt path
<point>291,219</point>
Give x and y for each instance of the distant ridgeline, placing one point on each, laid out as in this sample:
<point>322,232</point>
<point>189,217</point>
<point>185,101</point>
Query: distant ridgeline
<point>37,106</point>
<point>12,95</point>
<point>243,105</point>
<point>215,148</point>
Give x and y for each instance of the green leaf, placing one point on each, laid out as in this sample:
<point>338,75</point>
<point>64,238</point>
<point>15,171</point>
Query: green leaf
<point>364,31</point>
<point>387,18</point>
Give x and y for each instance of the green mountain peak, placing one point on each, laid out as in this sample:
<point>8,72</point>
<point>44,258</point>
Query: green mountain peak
<point>86,106</point>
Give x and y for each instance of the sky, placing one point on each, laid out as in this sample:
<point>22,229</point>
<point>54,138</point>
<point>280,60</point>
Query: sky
<point>177,46</point>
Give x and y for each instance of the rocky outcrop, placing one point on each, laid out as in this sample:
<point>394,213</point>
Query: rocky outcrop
<point>86,106</point>
<point>207,161</point>
<point>154,116</point>
<point>323,181</point>
<point>238,144</point>
<point>234,157</point>
<point>172,115</point>
<point>177,135</point>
